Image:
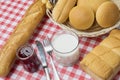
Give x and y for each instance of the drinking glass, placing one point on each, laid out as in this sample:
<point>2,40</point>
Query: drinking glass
<point>65,45</point>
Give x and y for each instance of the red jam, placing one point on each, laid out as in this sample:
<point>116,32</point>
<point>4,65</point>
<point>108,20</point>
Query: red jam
<point>29,58</point>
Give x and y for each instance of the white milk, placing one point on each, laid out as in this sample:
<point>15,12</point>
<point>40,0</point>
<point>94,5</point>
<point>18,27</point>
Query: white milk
<point>66,49</point>
<point>65,43</point>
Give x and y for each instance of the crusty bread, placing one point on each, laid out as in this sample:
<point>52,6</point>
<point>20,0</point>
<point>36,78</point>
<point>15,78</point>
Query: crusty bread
<point>20,36</point>
<point>60,12</point>
<point>81,17</point>
<point>103,62</point>
<point>107,14</point>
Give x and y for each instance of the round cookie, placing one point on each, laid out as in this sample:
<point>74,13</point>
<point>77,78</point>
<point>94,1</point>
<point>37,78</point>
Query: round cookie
<point>81,17</point>
<point>107,14</point>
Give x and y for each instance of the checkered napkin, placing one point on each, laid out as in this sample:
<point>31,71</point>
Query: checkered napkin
<point>11,12</point>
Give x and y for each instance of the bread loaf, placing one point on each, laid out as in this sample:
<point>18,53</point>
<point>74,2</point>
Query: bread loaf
<point>103,62</point>
<point>60,12</point>
<point>20,35</point>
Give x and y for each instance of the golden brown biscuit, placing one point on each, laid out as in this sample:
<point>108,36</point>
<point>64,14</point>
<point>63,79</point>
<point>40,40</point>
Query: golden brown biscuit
<point>81,17</point>
<point>107,14</point>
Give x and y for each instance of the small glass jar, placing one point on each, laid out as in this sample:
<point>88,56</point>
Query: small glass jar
<point>66,47</point>
<point>28,57</point>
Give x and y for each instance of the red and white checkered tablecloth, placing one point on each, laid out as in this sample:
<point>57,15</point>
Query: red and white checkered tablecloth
<point>11,12</point>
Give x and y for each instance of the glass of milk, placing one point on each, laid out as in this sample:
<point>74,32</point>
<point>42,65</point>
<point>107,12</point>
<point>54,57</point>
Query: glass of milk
<point>65,47</point>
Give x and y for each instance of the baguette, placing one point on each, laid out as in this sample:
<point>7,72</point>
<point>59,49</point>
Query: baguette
<point>20,36</point>
<point>60,12</point>
<point>103,62</point>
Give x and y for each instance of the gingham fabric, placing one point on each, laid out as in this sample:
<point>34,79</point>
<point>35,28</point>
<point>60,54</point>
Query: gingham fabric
<point>11,12</point>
